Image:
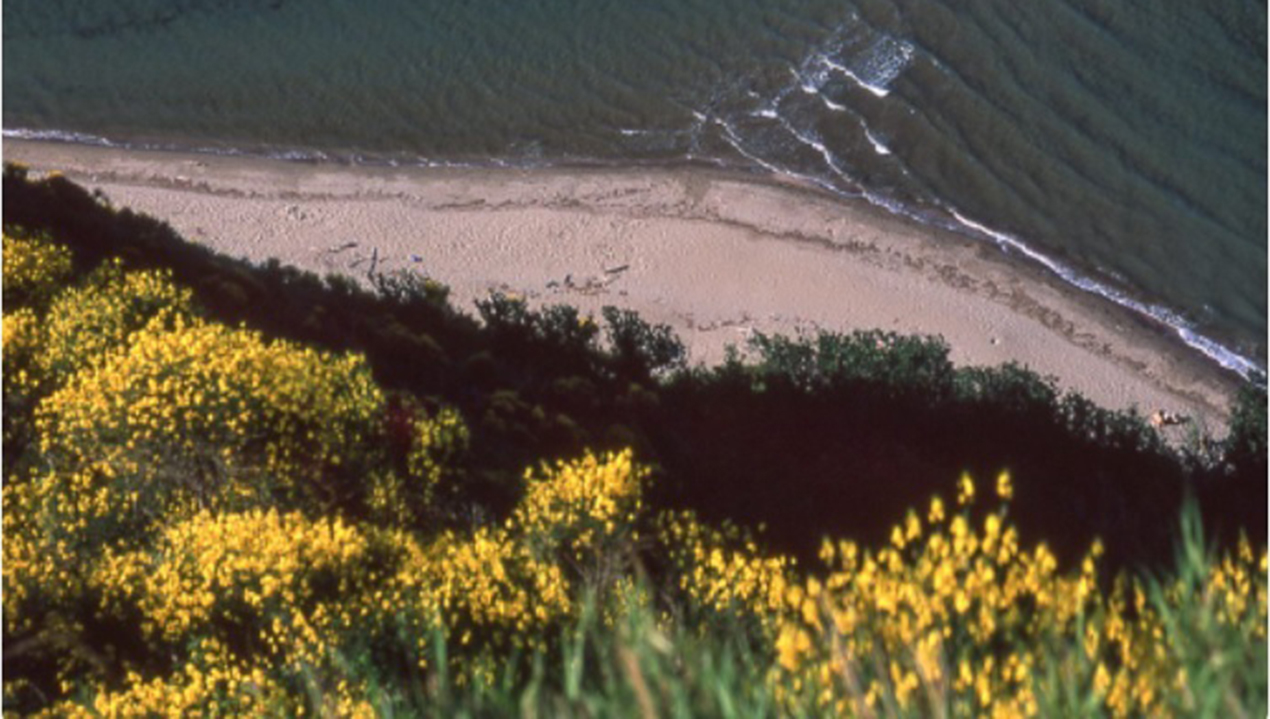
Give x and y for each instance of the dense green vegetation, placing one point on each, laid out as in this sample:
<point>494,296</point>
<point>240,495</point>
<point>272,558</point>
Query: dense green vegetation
<point>175,420</point>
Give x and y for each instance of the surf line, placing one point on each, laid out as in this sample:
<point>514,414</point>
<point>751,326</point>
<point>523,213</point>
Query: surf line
<point>1212,349</point>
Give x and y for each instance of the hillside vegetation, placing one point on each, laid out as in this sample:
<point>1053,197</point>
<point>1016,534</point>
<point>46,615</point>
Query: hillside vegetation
<point>240,490</point>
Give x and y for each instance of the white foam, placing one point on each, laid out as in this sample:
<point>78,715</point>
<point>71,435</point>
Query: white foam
<point>811,76</point>
<point>870,58</point>
<point>832,105</point>
<point>811,80</point>
<point>816,145</point>
<point>878,90</point>
<point>873,60</point>
<point>81,138</point>
<point>890,205</point>
<point>1224,356</point>
<point>730,136</point>
<point>307,155</point>
<point>23,133</point>
<point>878,146</point>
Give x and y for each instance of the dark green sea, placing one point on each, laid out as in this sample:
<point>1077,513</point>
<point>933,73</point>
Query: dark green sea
<point>1122,143</point>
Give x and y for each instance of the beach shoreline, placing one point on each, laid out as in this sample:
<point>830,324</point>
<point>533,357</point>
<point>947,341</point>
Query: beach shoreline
<point>717,254</point>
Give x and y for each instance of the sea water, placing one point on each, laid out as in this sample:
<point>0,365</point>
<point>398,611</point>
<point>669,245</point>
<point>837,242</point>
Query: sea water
<point>1119,143</point>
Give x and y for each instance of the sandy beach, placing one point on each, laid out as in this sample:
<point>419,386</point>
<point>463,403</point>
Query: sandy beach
<point>716,255</point>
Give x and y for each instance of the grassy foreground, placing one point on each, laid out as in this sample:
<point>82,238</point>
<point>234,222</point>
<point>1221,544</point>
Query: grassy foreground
<point>200,519</point>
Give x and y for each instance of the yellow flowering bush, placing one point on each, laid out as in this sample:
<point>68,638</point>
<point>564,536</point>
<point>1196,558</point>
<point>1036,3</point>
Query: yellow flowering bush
<point>1232,586</point>
<point>207,384</point>
<point>488,586</point>
<point>85,323</point>
<point>435,447</point>
<point>940,598</point>
<point>34,269</point>
<point>23,382</point>
<point>36,573</point>
<point>502,587</point>
<point>213,684</point>
<point>1146,634</point>
<point>956,613</point>
<point>280,597</point>
<point>43,346</point>
<point>438,442</point>
<point>199,415</point>
<point>245,572</point>
<point>583,507</point>
<point>722,571</point>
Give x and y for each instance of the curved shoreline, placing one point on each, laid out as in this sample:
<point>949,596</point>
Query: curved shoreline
<point>942,217</point>
<point>716,254</point>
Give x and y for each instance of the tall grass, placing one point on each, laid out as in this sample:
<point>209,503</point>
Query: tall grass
<point>622,657</point>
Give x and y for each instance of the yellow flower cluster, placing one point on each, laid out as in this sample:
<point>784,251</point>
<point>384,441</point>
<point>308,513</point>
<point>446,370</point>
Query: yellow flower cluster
<point>724,572</point>
<point>295,591</point>
<point>208,401</point>
<point>204,383</point>
<point>1135,666</point>
<point>938,600</point>
<point>214,685</point>
<point>286,589</point>
<point>37,573</point>
<point>487,586</point>
<point>206,570</point>
<point>161,443</point>
<point>437,445</point>
<point>931,612</point>
<point>498,587</point>
<point>1234,587</point>
<point>144,414</point>
<point>69,329</point>
<point>504,587</point>
<point>581,506</point>
<point>85,323</point>
<point>33,267</point>
<point>438,442</point>
<point>21,337</point>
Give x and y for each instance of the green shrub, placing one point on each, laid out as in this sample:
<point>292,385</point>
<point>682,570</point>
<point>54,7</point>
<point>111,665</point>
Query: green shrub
<point>641,350</point>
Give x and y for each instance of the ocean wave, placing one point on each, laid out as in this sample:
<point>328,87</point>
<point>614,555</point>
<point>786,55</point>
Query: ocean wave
<point>873,59</point>
<point>1186,331</point>
<point>878,90</point>
<point>878,146</point>
<point>284,154</point>
<point>731,137</point>
<point>808,139</point>
<point>1214,350</point>
<point>81,138</point>
<point>815,86</point>
<point>1222,355</point>
<point>868,57</point>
